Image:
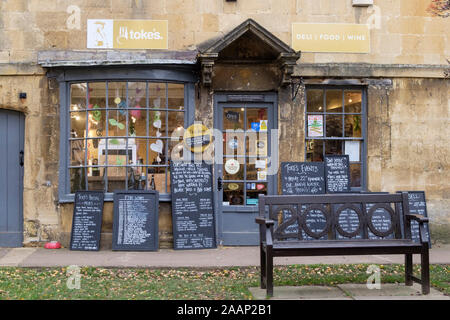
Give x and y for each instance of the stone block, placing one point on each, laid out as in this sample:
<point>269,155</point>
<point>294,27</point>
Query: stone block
<point>414,8</point>
<point>210,22</point>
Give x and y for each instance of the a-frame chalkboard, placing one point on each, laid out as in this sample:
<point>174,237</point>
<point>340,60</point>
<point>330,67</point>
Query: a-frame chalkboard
<point>192,205</point>
<point>135,225</point>
<point>87,221</point>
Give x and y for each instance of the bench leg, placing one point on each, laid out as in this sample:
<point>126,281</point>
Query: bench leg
<point>262,255</point>
<point>269,271</point>
<point>408,269</point>
<point>425,271</point>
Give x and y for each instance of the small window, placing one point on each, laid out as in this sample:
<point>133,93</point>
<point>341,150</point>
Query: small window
<point>121,134</point>
<point>335,126</point>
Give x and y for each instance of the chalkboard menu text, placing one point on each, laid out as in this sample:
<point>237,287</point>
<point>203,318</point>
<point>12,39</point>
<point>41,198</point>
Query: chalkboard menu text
<point>302,178</point>
<point>135,226</point>
<point>418,205</point>
<point>192,205</point>
<point>87,221</point>
<point>337,173</point>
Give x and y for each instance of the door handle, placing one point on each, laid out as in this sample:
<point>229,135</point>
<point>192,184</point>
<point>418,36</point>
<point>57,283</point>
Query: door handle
<point>21,158</point>
<point>219,184</point>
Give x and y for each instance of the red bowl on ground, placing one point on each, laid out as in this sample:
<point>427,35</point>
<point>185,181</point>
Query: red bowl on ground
<point>52,245</point>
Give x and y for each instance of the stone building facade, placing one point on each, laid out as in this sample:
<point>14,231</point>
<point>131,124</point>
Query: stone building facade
<point>225,49</point>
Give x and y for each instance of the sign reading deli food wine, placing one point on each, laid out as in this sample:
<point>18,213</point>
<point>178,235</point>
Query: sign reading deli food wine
<point>331,37</point>
<point>127,34</point>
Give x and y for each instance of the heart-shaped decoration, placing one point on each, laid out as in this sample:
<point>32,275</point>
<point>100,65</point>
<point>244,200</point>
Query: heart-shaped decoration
<point>157,146</point>
<point>157,124</point>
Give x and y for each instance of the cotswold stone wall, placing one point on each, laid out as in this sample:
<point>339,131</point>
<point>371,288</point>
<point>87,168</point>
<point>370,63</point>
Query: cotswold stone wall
<point>403,32</point>
<point>408,139</point>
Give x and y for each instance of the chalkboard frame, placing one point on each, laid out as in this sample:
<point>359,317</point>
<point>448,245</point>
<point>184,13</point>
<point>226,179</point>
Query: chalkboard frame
<point>174,227</point>
<point>155,221</point>
<point>349,189</point>
<point>427,228</point>
<point>98,221</point>
<point>321,166</point>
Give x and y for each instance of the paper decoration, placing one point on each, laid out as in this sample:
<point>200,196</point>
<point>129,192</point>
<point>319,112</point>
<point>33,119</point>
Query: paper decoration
<point>136,113</point>
<point>97,114</point>
<point>117,100</point>
<point>157,146</point>
<point>157,124</point>
<point>114,122</point>
<point>255,126</point>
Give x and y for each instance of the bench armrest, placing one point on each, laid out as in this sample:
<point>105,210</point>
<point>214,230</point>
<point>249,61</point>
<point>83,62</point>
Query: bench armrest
<point>417,217</point>
<point>267,222</point>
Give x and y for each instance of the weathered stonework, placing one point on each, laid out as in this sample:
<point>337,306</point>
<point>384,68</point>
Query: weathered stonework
<point>405,75</point>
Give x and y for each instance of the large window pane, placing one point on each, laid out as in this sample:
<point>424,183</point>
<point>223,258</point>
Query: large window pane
<point>314,150</point>
<point>314,100</point>
<point>334,125</point>
<point>353,125</point>
<point>78,96</point>
<point>175,96</point>
<point>334,100</point>
<point>352,101</point>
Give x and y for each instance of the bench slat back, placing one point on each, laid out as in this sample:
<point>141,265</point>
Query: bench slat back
<point>336,217</point>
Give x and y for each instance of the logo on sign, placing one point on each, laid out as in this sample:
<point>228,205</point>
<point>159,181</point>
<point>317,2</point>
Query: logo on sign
<point>127,34</point>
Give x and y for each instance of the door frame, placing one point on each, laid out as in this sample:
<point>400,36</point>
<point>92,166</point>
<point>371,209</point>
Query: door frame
<point>231,97</point>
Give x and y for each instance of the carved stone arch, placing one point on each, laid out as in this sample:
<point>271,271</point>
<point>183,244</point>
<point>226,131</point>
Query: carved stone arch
<point>248,43</point>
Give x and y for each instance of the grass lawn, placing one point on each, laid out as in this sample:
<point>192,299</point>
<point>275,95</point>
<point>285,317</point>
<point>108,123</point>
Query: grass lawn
<point>228,283</point>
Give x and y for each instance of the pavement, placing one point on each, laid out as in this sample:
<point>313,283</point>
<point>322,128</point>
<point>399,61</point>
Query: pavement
<point>169,258</point>
<point>232,257</point>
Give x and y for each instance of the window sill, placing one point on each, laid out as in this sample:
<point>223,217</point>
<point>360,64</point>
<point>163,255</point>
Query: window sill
<point>109,197</point>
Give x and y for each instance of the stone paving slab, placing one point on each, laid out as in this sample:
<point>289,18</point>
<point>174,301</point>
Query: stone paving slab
<point>301,293</point>
<point>391,291</point>
<point>349,292</point>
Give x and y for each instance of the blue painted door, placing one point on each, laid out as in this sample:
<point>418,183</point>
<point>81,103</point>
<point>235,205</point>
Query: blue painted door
<point>11,178</point>
<point>243,173</point>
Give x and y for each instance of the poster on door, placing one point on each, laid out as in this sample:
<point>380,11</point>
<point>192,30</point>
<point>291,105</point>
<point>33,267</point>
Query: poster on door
<point>315,126</point>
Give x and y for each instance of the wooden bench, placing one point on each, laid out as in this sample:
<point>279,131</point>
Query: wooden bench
<point>292,236</point>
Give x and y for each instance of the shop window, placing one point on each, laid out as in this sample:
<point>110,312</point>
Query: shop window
<point>335,125</point>
<point>121,134</point>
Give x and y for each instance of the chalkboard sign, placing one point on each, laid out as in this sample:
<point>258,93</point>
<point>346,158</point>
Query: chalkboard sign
<point>418,205</point>
<point>192,205</point>
<point>299,178</point>
<point>302,178</point>
<point>87,221</point>
<point>135,225</point>
<point>337,173</point>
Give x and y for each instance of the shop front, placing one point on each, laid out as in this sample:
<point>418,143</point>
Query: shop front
<point>112,117</point>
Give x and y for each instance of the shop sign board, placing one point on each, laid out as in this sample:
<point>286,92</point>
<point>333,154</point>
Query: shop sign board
<point>331,37</point>
<point>192,205</point>
<point>87,221</point>
<point>135,225</point>
<point>337,173</point>
<point>127,34</point>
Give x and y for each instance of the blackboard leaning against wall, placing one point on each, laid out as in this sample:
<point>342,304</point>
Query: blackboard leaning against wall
<point>135,225</point>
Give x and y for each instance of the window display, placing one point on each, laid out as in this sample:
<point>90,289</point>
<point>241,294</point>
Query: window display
<point>121,134</point>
